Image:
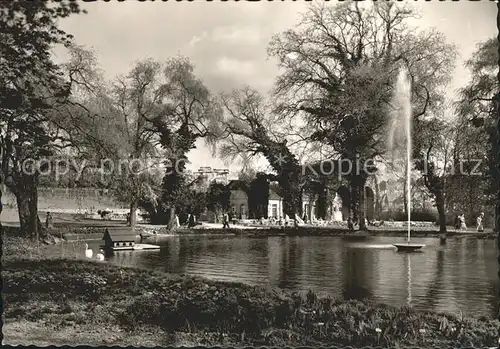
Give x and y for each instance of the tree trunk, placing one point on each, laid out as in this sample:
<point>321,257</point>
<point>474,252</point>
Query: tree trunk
<point>441,213</point>
<point>171,218</point>
<point>322,200</point>
<point>27,207</point>
<point>350,219</point>
<point>216,215</point>
<point>133,213</point>
<point>362,208</point>
<point>292,198</point>
<point>357,185</point>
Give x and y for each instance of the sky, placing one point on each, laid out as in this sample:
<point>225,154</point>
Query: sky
<point>227,41</point>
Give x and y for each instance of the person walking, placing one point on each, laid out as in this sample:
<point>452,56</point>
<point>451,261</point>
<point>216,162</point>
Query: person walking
<point>480,219</point>
<point>225,221</point>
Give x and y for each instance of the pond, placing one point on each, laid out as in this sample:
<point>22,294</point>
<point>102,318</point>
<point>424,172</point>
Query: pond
<point>462,275</point>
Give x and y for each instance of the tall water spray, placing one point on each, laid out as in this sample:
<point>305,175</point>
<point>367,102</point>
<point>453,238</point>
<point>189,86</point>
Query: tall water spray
<point>400,124</point>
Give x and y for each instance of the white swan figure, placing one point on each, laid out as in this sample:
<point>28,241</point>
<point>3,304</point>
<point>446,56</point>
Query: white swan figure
<point>88,252</point>
<point>100,255</point>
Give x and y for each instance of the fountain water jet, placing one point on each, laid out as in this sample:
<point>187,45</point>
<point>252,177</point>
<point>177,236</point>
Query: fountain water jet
<point>402,98</point>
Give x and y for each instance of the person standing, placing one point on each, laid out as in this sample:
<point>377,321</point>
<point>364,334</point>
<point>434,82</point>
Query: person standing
<point>457,222</point>
<point>462,222</point>
<point>225,221</point>
<point>177,223</point>
<point>480,219</point>
<point>48,221</point>
<point>191,221</point>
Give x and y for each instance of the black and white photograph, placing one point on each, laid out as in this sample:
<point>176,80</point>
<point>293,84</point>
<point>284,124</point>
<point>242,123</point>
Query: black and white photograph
<point>295,173</point>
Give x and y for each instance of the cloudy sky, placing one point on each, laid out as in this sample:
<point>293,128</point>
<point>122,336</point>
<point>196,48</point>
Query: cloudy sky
<point>227,41</point>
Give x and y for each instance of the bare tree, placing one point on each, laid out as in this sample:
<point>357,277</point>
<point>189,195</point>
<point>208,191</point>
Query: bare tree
<point>136,100</point>
<point>434,159</point>
<point>340,65</point>
<point>251,128</point>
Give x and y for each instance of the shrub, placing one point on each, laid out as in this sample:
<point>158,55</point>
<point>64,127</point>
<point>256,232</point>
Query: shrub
<point>195,305</point>
<point>418,215</point>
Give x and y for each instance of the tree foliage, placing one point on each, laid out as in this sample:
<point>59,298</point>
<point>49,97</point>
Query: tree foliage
<point>32,89</point>
<point>218,196</point>
<point>340,66</point>
<point>477,111</point>
<point>184,111</point>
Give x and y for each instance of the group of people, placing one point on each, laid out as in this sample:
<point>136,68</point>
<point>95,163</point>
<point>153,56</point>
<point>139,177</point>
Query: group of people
<point>460,222</point>
<point>226,218</point>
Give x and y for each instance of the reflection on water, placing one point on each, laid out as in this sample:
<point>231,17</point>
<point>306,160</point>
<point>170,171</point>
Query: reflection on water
<point>461,275</point>
<point>408,268</point>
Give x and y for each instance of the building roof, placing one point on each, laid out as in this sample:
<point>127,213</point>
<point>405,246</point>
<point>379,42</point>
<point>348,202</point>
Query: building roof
<point>273,195</point>
<point>119,235</point>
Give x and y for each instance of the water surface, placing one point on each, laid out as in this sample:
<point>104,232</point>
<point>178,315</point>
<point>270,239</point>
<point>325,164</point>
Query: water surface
<point>459,276</point>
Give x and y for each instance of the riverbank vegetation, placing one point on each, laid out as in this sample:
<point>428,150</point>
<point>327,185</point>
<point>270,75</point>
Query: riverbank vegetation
<point>85,297</point>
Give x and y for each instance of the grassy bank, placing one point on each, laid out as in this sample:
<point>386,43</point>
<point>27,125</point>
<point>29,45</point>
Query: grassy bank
<point>66,301</point>
<point>329,231</point>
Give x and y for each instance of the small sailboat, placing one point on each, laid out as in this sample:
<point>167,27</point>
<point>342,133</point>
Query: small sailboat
<point>408,247</point>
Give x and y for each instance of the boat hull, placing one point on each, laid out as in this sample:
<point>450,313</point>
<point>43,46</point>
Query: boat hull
<point>409,247</point>
<point>135,247</point>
